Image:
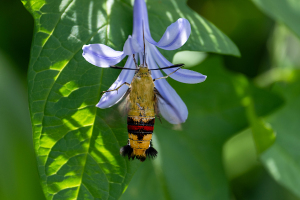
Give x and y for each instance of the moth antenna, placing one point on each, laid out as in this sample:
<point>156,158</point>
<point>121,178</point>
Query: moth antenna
<point>116,67</point>
<point>173,66</point>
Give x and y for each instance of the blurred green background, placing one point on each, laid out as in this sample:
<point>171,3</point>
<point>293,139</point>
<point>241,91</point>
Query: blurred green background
<point>259,39</point>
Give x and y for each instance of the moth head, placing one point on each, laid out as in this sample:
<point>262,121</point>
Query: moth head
<point>143,69</point>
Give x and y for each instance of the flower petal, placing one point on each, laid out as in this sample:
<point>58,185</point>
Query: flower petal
<point>175,36</point>
<point>131,46</point>
<point>111,98</point>
<point>140,21</point>
<point>182,75</point>
<point>101,55</point>
<point>171,106</point>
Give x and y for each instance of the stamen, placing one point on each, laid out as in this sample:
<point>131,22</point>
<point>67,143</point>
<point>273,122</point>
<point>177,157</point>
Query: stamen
<point>136,65</point>
<point>144,58</point>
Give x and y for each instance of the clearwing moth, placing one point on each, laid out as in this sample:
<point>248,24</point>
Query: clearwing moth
<point>142,106</point>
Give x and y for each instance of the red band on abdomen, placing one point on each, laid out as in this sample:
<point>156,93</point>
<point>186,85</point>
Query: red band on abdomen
<point>140,128</point>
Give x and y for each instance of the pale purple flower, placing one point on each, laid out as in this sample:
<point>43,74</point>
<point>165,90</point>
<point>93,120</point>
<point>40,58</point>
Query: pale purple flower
<point>175,111</point>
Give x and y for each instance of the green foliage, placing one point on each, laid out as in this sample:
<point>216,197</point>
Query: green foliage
<point>282,161</point>
<point>285,11</point>
<point>77,145</point>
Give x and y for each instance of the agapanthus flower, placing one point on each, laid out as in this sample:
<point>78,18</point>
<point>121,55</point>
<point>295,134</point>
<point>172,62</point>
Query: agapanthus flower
<point>175,111</point>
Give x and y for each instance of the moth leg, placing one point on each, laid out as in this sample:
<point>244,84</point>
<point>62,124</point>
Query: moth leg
<point>167,75</point>
<point>125,83</point>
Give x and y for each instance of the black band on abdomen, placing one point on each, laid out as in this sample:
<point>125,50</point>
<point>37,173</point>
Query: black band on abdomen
<point>141,122</point>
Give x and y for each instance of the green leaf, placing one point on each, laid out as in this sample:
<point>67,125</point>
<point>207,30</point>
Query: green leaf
<point>189,163</point>
<point>285,11</point>
<point>282,160</point>
<point>240,155</point>
<point>262,133</point>
<point>77,145</point>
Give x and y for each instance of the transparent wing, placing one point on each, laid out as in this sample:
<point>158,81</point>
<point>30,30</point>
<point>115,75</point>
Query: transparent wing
<point>124,105</point>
